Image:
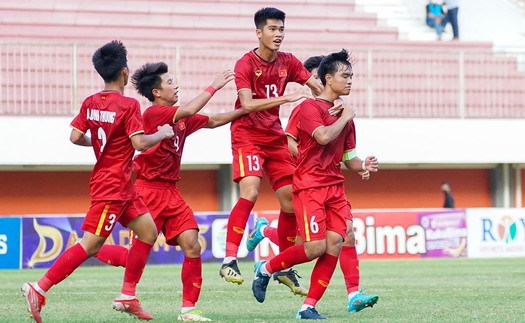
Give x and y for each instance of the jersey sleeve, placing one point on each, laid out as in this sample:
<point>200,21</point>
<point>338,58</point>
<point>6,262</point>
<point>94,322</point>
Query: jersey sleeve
<point>80,121</point>
<point>292,128</point>
<point>133,124</point>
<point>243,75</point>
<point>310,117</point>
<point>298,71</point>
<point>196,122</point>
<point>350,142</point>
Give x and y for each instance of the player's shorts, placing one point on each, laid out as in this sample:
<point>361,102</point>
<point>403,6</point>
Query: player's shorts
<point>170,212</point>
<point>349,215</point>
<point>320,209</point>
<point>276,161</point>
<point>102,215</point>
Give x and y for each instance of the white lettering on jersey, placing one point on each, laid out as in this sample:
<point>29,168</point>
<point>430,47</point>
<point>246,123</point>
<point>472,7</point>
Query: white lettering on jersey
<point>101,116</point>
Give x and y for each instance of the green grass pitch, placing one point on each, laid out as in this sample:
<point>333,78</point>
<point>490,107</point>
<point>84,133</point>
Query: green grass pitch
<point>428,290</point>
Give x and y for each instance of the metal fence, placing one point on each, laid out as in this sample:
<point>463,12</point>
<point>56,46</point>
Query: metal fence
<point>46,79</point>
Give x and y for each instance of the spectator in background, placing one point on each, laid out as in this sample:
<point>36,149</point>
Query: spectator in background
<point>452,16</point>
<point>449,199</point>
<point>436,17</point>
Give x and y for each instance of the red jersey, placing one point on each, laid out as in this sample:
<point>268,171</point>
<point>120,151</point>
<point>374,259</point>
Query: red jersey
<point>112,120</point>
<point>265,80</point>
<point>161,163</point>
<point>320,165</point>
<point>292,128</point>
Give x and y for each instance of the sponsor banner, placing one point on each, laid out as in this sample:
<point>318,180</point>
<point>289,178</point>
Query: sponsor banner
<point>496,233</point>
<point>9,243</point>
<point>46,237</point>
<point>389,234</point>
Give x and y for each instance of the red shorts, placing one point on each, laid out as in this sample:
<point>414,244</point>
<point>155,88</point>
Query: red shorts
<point>170,212</point>
<point>102,215</point>
<point>276,161</point>
<point>349,215</point>
<point>320,209</point>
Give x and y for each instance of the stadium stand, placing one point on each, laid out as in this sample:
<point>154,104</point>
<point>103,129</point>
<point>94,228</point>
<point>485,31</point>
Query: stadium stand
<point>46,48</point>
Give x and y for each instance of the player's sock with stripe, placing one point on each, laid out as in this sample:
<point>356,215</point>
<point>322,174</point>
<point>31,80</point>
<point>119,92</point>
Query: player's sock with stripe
<point>321,274</point>
<point>350,268</point>
<point>290,257</point>
<point>65,264</point>
<point>135,263</point>
<point>286,230</point>
<point>236,225</point>
<point>191,276</point>
<point>113,255</point>
<point>271,233</point>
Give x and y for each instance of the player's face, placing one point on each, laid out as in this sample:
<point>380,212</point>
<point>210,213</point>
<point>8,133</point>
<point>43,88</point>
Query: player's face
<point>169,89</point>
<point>272,34</point>
<point>315,75</point>
<point>341,82</point>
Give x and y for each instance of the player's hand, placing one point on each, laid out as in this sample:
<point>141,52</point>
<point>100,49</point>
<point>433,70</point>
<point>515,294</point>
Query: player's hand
<point>167,130</point>
<point>337,108</point>
<point>296,96</point>
<point>365,175</point>
<point>371,164</point>
<point>349,112</point>
<point>222,79</point>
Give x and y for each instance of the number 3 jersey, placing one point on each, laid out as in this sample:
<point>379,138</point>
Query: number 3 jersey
<point>161,163</point>
<point>112,120</point>
<point>266,80</point>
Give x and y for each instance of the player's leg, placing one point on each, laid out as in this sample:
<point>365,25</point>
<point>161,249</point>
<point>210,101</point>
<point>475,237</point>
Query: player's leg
<point>314,237</point>
<point>335,225</point>
<point>140,221</point>
<point>247,171</point>
<point>74,256</point>
<point>191,276</point>
<point>113,255</point>
<point>349,263</point>
<point>321,276</point>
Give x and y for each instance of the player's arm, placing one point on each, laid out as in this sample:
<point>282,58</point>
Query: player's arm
<point>221,119</point>
<point>362,167</point>
<point>142,142</point>
<point>292,145</point>
<point>325,135</point>
<point>250,104</point>
<point>79,138</point>
<point>314,86</point>
<point>194,106</point>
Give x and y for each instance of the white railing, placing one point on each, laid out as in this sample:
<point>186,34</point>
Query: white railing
<point>52,79</point>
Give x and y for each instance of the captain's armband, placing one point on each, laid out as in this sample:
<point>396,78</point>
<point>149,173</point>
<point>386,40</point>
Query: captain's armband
<point>349,154</point>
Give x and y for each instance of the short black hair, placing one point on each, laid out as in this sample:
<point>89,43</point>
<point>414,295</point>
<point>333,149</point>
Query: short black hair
<point>313,62</point>
<point>331,63</point>
<point>147,78</point>
<point>110,59</point>
<point>264,14</point>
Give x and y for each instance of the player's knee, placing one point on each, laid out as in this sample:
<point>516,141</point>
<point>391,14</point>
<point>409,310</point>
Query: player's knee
<point>193,251</point>
<point>315,249</point>
<point>251,194</point>
<point>349,239</point>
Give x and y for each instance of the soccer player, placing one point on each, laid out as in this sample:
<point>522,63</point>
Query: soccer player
<point>258,139</point>
<point>319,198</point>
<point>348,260</point>
<point>158,173</point>
<point>115,124</point>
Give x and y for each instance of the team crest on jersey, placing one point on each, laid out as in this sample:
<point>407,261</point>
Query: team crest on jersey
<point>182,125</point>
<point>258,73</point>
<point>282,73</point>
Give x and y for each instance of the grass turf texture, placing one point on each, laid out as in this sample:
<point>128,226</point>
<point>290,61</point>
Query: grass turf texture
<point>428,290</point>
